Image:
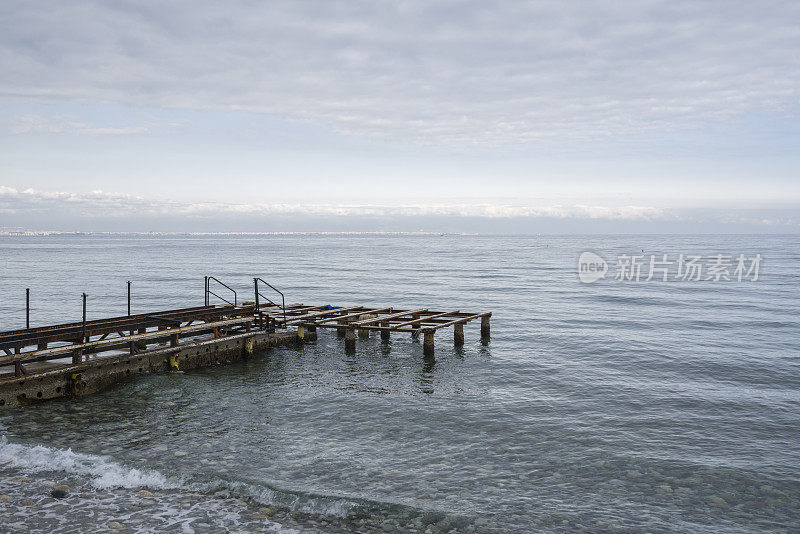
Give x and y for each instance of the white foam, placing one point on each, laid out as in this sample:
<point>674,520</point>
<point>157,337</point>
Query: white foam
<point>105,474</point>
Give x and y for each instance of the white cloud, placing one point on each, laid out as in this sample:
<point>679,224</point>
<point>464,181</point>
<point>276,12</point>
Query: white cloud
<point>462,72</point>
<point>102,205</point>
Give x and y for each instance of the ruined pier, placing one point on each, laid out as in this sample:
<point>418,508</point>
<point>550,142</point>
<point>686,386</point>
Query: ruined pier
<point>79,358</point>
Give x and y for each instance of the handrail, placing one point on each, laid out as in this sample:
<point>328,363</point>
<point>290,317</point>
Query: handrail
<point>258,294</point>
<point>209,279</point>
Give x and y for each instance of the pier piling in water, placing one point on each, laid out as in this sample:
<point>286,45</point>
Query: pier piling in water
<point>350,339</point>
<point>86,356</point>
<point>385,333</point>
<point>458,334</point>
<point>427,342</point>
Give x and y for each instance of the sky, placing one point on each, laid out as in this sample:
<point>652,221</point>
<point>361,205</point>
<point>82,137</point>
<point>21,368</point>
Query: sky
<point>624,116</point>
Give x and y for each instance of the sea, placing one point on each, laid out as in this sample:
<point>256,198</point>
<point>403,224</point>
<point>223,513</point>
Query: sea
<point>659,394</point>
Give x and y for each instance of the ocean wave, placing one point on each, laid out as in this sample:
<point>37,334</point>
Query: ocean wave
<point>104,473</point>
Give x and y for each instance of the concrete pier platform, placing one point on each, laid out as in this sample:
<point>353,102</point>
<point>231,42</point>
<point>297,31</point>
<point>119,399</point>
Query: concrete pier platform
<point>91,376</point>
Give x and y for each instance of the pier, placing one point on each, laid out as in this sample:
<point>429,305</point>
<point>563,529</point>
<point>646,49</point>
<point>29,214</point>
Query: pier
<point>79,358</point>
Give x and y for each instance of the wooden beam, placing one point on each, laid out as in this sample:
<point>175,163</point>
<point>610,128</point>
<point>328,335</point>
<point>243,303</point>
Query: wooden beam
<point>359,313</point>
<point>455,321</point>
<point>294,318</point>
<point>65,350</point>
<point>385,317</point>
<point>427,317</point>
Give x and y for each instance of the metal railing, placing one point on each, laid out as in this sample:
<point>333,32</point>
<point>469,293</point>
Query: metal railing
<point>209,292</point>
<point>259,296</point>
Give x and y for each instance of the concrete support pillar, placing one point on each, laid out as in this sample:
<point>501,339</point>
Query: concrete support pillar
<point>427,344</point>
<point>458,334</point>
<point>173,340</point>
<point>311,333</point>
<point>340,331</point>
<point>350,340</point>
<point>363,333</point>
<point>485,326</point>
<point>385,333</point>
<point>141,345</point>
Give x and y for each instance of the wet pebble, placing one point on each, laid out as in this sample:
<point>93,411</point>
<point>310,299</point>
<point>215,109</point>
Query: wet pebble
<point>717,501</point>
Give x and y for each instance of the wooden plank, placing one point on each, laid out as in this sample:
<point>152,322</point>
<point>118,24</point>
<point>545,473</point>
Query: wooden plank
<point>95,322</point>
<point>296,318</point>
<point>455,321</point>
<point>427,317</point>
<point>362,311</point>
<point>368,327</point>
<point>386,317</point>
<point>297,310</point>
<point>123,339</point>
<point>68,331</point>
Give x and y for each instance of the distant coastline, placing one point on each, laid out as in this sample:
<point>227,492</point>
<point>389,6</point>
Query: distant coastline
<point>22,232</point>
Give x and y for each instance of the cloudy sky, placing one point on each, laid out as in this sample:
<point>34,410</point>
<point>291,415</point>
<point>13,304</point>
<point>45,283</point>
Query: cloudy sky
<point>434,115</point>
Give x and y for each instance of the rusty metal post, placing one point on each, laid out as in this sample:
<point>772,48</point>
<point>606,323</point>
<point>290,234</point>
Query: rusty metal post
<point>83,325</point>
<point>27,308</point>
<point>78,356</point>
<point>258,304</point>
<point>132,345</point>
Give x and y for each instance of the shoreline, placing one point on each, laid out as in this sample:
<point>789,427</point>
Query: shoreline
<point>100,494</point>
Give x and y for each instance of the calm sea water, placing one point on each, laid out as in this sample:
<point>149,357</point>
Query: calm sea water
<point>618,406</point>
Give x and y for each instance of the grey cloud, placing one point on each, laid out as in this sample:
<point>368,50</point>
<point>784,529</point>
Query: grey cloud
<point>25,124</point>
<point>433,72</point>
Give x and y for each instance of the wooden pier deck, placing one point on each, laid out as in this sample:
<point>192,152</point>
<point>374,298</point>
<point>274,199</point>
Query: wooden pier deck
<point>82,357</point>
<point>363,320</point>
